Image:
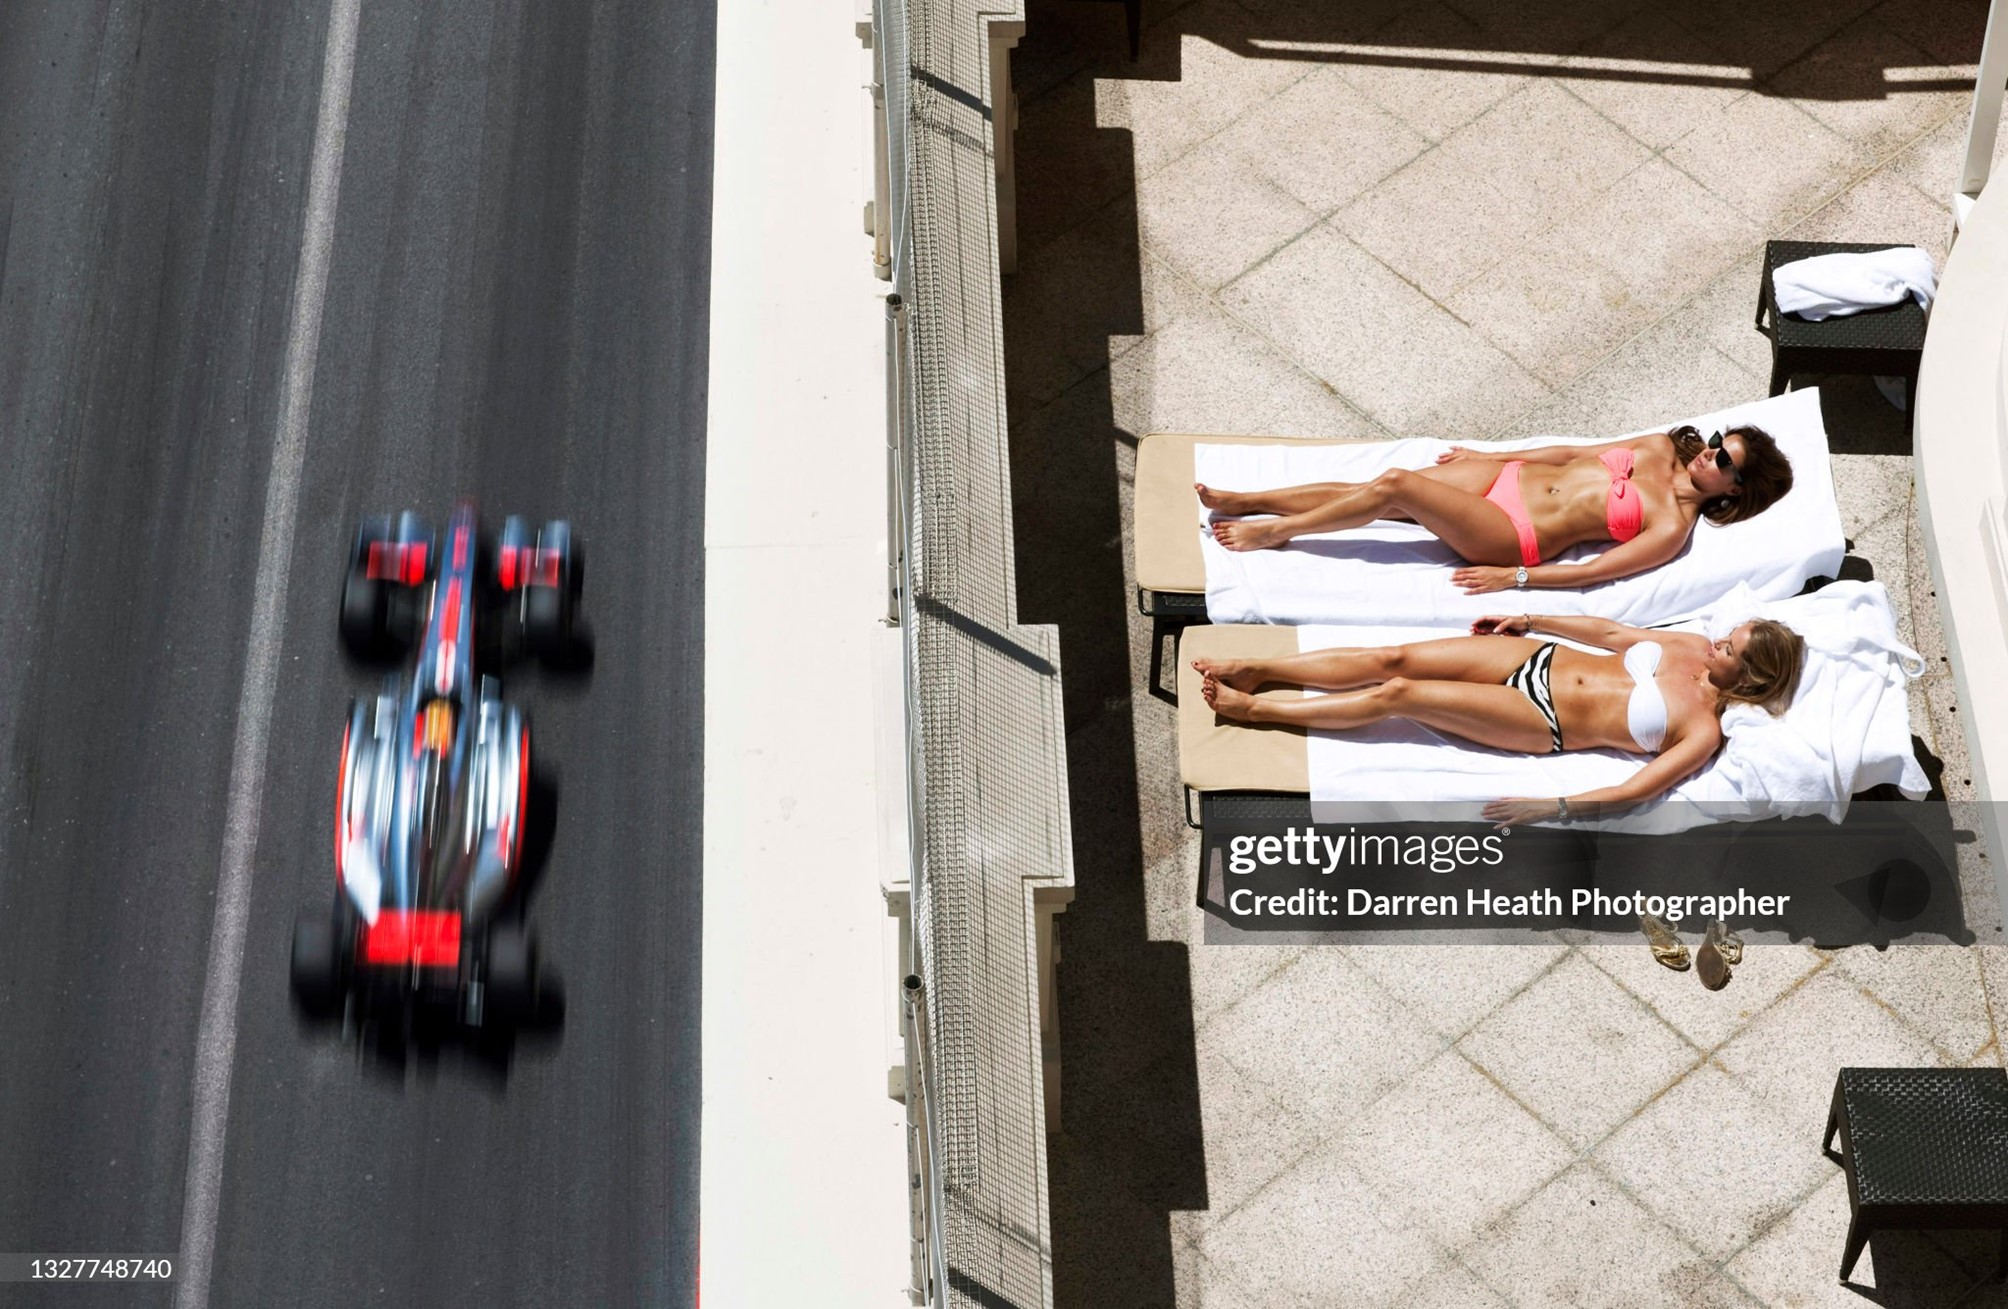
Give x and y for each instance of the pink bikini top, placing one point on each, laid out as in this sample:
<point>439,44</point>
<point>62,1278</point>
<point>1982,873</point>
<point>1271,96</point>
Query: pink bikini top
<point>1624,512</point>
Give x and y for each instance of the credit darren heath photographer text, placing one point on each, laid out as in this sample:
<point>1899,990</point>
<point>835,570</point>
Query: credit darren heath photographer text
<point>1323,855</point>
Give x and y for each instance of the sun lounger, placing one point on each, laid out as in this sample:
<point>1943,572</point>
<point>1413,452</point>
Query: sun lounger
<point>1848,728</point>
<point>1397,574</point>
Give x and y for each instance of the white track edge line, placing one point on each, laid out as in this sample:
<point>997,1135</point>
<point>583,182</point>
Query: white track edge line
<point>216,1038</point>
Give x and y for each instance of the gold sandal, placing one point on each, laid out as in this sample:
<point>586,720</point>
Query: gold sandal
<point>1667,947</point>
<point>1721,950</point>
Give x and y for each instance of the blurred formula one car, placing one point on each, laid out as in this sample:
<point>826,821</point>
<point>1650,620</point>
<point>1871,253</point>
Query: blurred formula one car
<point>435,774</point>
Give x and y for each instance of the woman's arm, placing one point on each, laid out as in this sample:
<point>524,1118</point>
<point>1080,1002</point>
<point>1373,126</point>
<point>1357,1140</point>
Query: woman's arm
<point>1649,549</point>
<point>1545,454</point>
<point>1674,765</point>
<point>1599,632</point>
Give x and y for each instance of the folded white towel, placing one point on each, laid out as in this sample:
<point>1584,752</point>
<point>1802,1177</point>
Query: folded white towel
<point>1833,286</point>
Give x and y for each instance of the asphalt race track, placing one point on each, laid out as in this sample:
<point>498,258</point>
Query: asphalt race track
<point>516,307</point>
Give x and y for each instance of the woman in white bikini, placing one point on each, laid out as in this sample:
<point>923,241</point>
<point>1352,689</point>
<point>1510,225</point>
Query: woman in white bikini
<point>1658,693</point>
<point>1505,512</point>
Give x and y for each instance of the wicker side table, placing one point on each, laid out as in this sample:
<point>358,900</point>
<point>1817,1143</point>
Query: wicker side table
<point>1885,342</point>
<point>1924,1149</point>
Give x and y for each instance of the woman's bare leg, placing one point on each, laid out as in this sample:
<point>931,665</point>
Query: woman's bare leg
<point>1448,499</point>
<point>1278,500</point>
<point>1496,716</point>
<point>1483,659</point>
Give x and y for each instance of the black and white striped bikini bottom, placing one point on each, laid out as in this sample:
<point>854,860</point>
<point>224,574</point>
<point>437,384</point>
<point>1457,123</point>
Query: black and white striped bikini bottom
<point>1531,680</point>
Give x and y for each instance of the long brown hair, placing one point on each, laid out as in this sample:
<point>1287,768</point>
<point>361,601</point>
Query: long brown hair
<point>1773,658</point>
<point>1767,473</point>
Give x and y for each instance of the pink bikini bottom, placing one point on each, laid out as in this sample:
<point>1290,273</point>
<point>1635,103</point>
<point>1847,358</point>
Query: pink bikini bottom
<point>1505,493</point>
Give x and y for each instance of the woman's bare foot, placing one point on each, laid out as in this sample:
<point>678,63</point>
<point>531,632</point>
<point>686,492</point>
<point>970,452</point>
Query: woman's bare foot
<point>1227,502</point>
<point>1251,533</point>
<point>1241,674</point>
<point>1226,701</point>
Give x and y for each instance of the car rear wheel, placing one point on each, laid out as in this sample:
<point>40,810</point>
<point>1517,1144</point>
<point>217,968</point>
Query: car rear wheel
<point>511,990</point>
<point>317,972</point>
<point>547,620</point>
<point>363,605</point>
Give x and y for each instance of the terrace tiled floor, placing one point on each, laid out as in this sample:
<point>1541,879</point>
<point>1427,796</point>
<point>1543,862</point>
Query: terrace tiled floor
<point>1474,219</point>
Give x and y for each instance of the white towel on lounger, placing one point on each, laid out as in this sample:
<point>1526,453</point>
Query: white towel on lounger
<point>1833,286</point>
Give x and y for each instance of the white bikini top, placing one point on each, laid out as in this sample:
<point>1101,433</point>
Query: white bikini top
<point>1646,714</point>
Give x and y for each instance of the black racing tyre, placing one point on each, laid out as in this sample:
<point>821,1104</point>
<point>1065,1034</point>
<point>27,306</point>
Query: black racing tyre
<point>364,599</point>
<point>317,974</point>
<point>547,620</point>
<point>511,981</point>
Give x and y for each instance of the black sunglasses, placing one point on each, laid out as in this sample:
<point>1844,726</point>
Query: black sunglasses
<point>1722,459</point>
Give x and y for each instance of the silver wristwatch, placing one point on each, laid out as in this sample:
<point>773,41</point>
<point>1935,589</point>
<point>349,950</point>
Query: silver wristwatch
<point>1520,577</point>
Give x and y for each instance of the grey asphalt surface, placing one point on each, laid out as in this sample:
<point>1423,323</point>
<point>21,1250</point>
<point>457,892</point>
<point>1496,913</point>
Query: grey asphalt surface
<point>517,312</point>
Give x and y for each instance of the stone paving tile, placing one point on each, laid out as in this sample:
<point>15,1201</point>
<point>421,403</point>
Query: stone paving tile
<point>1225,975</point>
<point>1767,37</point>
<point>1581,1243</point>
<point>1319,1236</point>
<point>1666,374</point>
<point>1068,169</point>
<point>1664,236</point>
<point>1707,1018</point>
<point>1450,987</point>
<point>1657,105</point>
<point>1450,1151</point>
<point>1789,1055</point>
<point>1882,208</point>
<point>1932,162</point>
<point>1769,159</point>
<point>1211,216</point>
<point>1872,489</point>
<point>1322,141</point>
<point>1186,88</point>
<point>1087,295</point>
<point>1934,988</point>
<point>1579,1050</point>
<point>1846,83</point>
<point>1201,1284</point>
<point>1433,101</point>
<point>1404,223</point>
<point>1794,1264</point>
<point>1454,1286</point>
<point>1546,145</point>
<point>1250,1136</point>
<point>1553,307</point>
<point>1710,1161</point>
<point>1722,315</point>
<point>1994,974</point>
<point>1406,362</point>
<point>1172,382</point>
<point>1949,31</point>
<point>1322,1037</point>
<point>1948,738</point>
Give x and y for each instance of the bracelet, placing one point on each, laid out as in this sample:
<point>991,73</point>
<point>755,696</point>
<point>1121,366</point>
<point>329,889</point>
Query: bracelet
<point>1561,808</point>
<point>1528,619</point>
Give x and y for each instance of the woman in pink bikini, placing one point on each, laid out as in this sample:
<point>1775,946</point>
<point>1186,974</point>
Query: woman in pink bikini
<point>1505,513</point>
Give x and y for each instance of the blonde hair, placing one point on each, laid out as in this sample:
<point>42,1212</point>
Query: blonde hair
<point>1773,658</point>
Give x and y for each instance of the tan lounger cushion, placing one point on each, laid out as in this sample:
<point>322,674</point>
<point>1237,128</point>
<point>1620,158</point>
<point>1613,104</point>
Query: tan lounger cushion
<point>1216,755</point>
<point>1167,519</point>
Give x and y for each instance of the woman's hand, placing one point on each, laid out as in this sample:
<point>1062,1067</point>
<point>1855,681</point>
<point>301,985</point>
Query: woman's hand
<point>1457,452</point>
<point>1503,625</point>
<point>1477,581</point>
<point>1516,810</point>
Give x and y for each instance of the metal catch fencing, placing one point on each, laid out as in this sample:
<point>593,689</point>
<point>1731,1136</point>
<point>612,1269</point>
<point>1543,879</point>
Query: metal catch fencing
<point>985,754</point>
